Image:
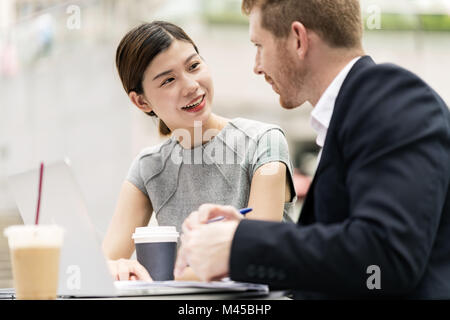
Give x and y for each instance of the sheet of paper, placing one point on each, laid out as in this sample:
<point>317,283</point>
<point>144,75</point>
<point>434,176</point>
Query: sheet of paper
<point>224,284</point>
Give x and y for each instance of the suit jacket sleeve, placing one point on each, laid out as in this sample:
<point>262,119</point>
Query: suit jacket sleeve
<point>395,145</point>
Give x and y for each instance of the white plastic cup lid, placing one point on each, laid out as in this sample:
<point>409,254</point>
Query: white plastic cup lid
<point>20,236</point>
<point>155,234</point>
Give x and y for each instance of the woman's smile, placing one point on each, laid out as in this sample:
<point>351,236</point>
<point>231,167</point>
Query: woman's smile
<point>196,105</point>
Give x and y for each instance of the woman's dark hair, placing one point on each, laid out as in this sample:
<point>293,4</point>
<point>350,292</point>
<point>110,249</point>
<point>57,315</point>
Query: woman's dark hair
<point>137,50</point>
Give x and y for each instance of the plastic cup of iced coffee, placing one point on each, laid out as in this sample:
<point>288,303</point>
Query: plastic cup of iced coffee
<point>35,252</point>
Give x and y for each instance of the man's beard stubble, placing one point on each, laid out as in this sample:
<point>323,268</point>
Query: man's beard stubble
<point>292,95</point>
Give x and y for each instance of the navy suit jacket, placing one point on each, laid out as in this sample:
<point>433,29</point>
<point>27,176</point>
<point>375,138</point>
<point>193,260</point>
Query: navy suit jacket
<point>378,210</point>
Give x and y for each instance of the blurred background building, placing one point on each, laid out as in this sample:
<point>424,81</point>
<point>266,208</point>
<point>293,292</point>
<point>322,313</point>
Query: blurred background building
<point>60,94</point>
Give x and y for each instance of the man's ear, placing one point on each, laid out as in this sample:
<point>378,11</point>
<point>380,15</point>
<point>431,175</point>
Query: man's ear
<point>140,101</point>
<point>300,38</point>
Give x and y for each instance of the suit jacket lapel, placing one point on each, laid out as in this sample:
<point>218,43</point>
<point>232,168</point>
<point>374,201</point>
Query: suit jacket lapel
<point>307,211</point>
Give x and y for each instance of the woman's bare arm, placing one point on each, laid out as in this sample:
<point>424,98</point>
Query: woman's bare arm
<point>268,192</point>
<point>134,209</point>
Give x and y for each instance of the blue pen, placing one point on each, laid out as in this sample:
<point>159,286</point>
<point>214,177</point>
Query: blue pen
<point>242,211</point>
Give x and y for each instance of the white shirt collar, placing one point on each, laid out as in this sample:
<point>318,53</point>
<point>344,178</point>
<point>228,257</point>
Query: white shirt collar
<point>322,112</point>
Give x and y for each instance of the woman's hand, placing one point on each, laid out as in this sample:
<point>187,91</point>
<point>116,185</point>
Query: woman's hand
<point>125,269</point>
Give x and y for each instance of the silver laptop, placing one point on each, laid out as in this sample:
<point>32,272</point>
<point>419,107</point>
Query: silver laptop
<point>83,268</point>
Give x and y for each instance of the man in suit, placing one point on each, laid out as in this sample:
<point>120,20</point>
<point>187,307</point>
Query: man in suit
<point>376,219</point>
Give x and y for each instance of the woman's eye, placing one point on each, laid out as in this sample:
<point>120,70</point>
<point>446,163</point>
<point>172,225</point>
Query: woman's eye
<point>167,81</point>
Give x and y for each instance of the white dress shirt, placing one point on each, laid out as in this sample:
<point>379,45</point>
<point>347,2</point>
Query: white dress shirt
<point>322,112</point>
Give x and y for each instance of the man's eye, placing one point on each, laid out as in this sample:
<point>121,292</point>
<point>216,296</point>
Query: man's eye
<point>194,66</point>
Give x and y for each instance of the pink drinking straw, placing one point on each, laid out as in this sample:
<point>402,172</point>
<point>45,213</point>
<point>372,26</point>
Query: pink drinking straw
<point>41,173</point>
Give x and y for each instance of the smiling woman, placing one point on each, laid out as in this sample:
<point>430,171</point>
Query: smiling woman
<point>207,158</point>
<point>150,39</point>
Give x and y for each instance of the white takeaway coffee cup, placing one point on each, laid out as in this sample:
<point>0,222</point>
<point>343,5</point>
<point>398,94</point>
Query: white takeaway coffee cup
<point>156,249</point>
